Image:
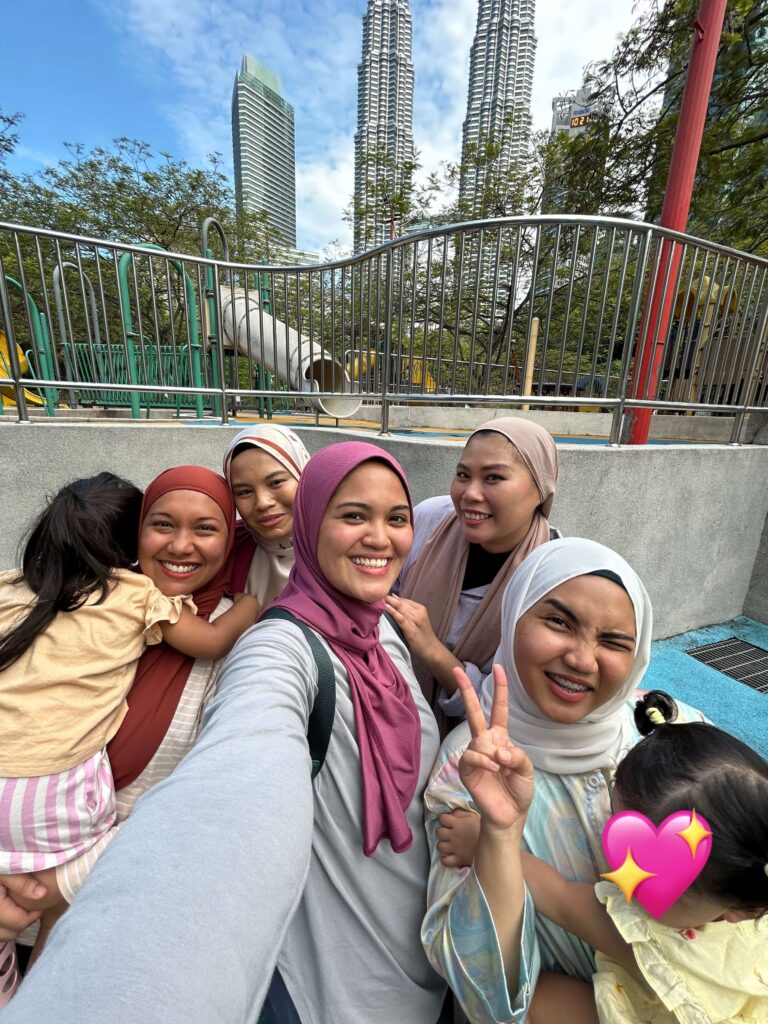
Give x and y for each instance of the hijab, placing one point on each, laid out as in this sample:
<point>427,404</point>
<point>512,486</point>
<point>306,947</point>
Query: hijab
<point>602,738</point>
<point>162,671</point>
<point>386,717</point>
<point>262,566</point>
<point>436,575</point>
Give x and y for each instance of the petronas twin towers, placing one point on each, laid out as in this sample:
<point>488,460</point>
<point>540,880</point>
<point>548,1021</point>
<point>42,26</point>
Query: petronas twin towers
<point>498,103</point>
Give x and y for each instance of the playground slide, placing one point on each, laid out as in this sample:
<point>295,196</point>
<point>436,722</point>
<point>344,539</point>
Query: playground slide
<point>7,394</point>
<point>287,354</point>
<point>9,397</point>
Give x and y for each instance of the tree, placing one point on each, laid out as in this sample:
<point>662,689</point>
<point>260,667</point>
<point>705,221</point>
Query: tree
<point>8,137</point>
<point>127,193</point>
<point>626,153</point>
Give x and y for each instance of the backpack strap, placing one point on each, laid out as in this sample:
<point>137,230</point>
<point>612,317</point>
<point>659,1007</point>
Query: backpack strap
<point>397,627</point>
<point>321,717</point>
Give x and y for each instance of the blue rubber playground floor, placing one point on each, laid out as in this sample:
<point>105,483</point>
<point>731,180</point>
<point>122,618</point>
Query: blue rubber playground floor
<point>734,706</point>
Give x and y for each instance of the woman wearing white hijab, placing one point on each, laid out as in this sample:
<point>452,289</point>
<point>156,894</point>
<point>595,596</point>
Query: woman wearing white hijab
<point>575,643</point>
<point>262,466</point>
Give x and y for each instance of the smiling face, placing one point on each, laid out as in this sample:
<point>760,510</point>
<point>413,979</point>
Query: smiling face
<point>493,493</point>
<point>264,492</point>
<point>366,533</point>
<point>575,648</point>
<point>183,542</point>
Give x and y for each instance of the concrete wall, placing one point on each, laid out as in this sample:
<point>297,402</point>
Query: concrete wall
<point>756,604</point>
<point>559,422</point>
<point>688,518</point>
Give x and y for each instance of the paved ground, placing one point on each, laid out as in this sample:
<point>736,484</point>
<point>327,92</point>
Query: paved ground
<point>732,705</point>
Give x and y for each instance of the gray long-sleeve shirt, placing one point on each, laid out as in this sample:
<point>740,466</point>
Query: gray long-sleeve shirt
<point>237,857</point>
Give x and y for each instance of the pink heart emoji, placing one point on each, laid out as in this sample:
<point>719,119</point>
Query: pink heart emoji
<point>674,854</point>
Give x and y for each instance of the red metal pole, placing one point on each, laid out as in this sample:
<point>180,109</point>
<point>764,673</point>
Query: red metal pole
<point>708,27</point>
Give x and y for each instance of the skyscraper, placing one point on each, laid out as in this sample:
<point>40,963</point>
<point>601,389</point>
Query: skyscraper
<point>264,148</point>
<point>384,136</point>
<point>500,84</point>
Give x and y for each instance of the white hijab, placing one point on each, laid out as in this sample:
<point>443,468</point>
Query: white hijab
<point>272,560</point>
<point>603,737</point>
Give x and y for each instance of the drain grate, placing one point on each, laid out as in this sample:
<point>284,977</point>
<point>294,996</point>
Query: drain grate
<point>737,659</point>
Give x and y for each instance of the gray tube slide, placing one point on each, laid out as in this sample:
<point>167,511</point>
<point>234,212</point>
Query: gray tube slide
<point>286,353</point>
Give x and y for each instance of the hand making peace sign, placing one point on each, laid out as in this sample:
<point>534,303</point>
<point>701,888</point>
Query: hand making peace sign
<point>498,775</point>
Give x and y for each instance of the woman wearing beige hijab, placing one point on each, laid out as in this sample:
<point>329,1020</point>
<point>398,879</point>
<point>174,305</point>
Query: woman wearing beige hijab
<point>262,466</point>
<point>466,547</point>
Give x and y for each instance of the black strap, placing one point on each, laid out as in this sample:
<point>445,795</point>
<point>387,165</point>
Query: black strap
<point>396,626</point>
<point>321,717</point>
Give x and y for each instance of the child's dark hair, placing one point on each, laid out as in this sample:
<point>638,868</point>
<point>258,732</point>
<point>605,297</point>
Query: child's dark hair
<point>696,766</point>
<point>88,529</point>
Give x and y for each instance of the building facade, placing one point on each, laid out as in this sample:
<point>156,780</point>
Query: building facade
<point>264,148</point>
<point>384,136</point>
<point>500,83</point>
<point>574,110</point>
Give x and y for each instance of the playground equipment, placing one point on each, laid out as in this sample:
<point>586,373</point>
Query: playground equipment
<point>444,316</point>
<point>7,393</point>
<point>35,358</point>
<point>411,373</point>
<point>249,327</point>
<point>282,351</point>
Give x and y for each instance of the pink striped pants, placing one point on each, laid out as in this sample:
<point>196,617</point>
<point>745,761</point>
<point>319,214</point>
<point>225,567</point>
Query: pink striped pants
<point>49,819</point>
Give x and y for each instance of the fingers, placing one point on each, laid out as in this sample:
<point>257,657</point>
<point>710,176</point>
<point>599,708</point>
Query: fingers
<point>500,704</point>
<point>450,818</point>
<point>27,886</point>
<point>472,709</point>
<point>450,860</point>
<point>473,760</point>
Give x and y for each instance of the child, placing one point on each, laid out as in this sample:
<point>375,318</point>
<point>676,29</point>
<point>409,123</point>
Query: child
<point>706,960</point>
<point>75,620</point>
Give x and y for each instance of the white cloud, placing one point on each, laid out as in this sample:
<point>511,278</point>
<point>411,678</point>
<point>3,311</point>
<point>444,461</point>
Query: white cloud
<point>191,50</point>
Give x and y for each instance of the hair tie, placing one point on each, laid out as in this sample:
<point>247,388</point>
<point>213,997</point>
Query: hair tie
<point>655,716</point>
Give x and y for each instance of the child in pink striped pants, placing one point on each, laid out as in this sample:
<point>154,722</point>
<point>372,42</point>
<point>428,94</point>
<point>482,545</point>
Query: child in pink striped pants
<point>74,621</point>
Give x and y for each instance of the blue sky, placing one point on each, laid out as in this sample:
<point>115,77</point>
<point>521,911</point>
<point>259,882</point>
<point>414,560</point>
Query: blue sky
<point>162,71</point>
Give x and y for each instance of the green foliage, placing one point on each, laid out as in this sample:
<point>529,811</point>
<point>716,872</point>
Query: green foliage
<point>620,164</point>
<point>8,137</point>
<point>128,193</point>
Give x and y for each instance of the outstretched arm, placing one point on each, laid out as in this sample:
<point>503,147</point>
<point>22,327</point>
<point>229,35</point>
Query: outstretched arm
<point>211,640</point>
<point>195,859</point>
<point>575,907</point>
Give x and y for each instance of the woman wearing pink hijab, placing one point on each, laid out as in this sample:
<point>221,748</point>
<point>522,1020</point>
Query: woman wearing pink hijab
<point>242,879</point>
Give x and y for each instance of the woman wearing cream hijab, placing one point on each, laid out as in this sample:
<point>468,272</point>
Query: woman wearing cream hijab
<point>262,466</point>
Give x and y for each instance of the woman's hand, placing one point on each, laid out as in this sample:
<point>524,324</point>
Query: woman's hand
<point>412,618</point>
<point>13,919</point>
<point>498,775</point>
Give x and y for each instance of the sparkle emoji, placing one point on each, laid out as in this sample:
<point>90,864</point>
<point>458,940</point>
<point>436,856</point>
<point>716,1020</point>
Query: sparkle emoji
<point>628,876</point>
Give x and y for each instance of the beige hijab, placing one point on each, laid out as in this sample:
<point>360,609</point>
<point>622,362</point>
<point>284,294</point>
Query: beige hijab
<point>262,567</point>
<point>435,577</point>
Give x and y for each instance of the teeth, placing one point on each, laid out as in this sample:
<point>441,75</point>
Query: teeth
<point>568,685</point>
<point>371,563</point>
<point>173,567</point>
<point>476,516</point>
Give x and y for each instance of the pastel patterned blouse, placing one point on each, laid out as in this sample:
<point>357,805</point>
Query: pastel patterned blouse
<point>564,828</point>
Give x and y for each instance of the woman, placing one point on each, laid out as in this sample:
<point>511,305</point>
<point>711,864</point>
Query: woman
<point>466,548</point>
<point>325,880</point>
<point>576,636</point>
<point>185,546</point>
<point>262,466</point>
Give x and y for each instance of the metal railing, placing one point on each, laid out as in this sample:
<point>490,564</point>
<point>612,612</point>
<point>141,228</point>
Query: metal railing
<point>536,312</point>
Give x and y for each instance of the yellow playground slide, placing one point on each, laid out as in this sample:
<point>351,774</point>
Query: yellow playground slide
<point>7,392</point>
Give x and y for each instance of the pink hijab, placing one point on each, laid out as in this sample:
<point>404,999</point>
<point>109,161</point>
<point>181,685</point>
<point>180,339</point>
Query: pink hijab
<point>386,717</point>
